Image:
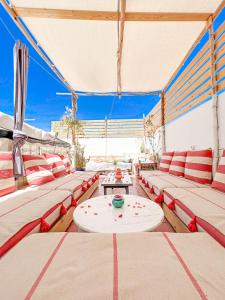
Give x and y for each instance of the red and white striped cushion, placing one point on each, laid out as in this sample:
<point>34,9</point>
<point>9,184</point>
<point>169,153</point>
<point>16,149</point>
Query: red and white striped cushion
<point>38,171</point>
<point>56,165</point>
<point>165,161</point>
<point>198,166</point>
<point>219,179</point>
<point>66,162</point>
<point>7,181</point>
<point>178,163</point>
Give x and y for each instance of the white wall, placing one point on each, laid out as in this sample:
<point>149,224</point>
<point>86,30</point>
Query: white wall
<point>111,146</point>
<point>192,130</point>
<point>222,120</point>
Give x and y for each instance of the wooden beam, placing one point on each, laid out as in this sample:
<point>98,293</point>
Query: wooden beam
<point>109,15</point>
<point>120,44</point>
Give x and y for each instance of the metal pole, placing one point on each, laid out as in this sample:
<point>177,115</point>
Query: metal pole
<point>216,144</point>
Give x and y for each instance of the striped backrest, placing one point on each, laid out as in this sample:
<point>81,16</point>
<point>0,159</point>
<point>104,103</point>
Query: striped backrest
<point>37,170</point>
<point>56,165</point>
<point>66,162</point>
<point>7,181</point>
<point>165,161</point>
<point>219,179</point>
<point>178,163</point>
<point>198,166</point>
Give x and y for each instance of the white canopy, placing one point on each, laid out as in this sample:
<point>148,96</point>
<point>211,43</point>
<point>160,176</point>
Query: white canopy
<point>84,46</point>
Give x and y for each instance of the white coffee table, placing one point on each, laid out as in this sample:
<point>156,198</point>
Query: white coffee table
<point>137,215</point>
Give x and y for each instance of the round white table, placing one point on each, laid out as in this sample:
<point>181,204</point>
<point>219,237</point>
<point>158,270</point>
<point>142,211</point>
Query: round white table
<point>98,215</point>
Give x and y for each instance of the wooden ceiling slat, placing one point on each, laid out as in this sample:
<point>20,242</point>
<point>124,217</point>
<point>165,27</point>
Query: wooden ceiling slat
<point>109,15</point>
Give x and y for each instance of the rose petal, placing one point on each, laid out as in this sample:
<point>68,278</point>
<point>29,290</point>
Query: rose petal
<point>120,216</point>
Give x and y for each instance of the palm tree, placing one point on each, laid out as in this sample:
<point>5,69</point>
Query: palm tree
<point>74,129</point>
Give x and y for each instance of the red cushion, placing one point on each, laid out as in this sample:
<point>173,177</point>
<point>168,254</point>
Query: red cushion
<point>165,161</point>
<point>56,165</point>
<point>198,166</point>
<point>219,180</point>
<point>66,162</point>
<point>7,181</point>
<point>37,170</point>
<point>178,163</point>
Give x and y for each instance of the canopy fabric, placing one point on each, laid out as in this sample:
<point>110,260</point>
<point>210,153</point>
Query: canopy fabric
<point>85,51</point>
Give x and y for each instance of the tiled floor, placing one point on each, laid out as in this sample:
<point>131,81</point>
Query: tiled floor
<point>135,190</point>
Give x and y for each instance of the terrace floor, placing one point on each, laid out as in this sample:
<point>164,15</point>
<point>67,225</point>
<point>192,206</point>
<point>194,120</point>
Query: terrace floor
<point>134,190</point>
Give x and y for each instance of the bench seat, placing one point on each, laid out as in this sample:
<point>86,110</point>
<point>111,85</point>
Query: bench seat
<point>155,266</point>
<point>201,209</point>
<point>38,209</point>
<point>160,183</point>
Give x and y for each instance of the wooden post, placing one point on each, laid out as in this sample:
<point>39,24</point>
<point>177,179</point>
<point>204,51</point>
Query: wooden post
<point>106,137</point>
<point>216,145</point>
<point>163,121</point>
<point>74,110</point>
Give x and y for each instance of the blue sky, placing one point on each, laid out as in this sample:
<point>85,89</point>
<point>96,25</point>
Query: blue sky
<point>43,104</point>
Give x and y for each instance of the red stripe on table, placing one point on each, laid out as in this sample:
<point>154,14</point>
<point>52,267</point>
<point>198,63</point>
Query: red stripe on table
<point>198,167</point>
<point>187,270</point>
<point>45,268</point>
<point>115,268</point>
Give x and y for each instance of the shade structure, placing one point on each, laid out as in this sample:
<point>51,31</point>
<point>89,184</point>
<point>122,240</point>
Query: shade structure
<point>81,39</point>
<point>20,93</point>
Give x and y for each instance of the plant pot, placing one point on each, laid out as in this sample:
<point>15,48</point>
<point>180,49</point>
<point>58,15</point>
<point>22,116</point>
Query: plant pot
<point>118,201</point>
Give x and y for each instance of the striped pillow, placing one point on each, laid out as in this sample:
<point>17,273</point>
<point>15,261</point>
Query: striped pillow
<point>219,180</point>
<point>165,161</point>
<point>7,181</point>
<point>66,162</point>
<point>198,166</point>
<point>38,171</point>
<point>178,163</point>
<point>56,165</point>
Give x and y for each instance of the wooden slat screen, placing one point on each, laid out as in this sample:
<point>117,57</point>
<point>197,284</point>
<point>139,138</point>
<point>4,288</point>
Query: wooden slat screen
<point>192,83</point>
<point>156,114</point>
<point>105,128</point>
<point>192,86</point>
<point>220,57</point>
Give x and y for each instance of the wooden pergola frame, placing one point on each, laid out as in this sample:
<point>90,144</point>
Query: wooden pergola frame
<point>110,15</point>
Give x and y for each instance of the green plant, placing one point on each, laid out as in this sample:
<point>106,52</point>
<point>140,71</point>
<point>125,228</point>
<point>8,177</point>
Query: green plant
<point>153,135</point>
<point>74,129</point>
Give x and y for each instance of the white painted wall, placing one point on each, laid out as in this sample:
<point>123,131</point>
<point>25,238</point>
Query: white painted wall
<point>112,146</point>
<point>222,120</point>
<point>194,130</point>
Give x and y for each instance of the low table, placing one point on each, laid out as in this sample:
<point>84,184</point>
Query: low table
<point>111,182</point>
<point>98,215</point>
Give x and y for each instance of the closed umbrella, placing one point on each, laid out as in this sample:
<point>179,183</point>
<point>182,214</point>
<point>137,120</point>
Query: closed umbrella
<point>21,61</point>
